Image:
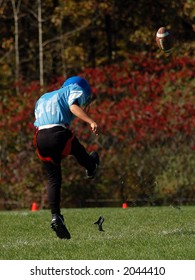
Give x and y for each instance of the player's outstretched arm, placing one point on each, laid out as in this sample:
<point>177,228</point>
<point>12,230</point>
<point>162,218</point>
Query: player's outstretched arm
<point>78,112</point>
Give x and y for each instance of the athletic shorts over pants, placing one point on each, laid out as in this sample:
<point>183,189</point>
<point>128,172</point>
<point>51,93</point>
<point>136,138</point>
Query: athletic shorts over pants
<point>52,145</point>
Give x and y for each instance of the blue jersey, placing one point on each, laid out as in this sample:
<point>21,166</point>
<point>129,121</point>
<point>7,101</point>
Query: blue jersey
<point>54,107</point>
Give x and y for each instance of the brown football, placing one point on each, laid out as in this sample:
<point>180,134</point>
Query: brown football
<point>164,39</point>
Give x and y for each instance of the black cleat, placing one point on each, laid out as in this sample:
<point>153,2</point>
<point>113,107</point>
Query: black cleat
<point>91,174</point>
<point>57,224</point>
<point>99,223</point>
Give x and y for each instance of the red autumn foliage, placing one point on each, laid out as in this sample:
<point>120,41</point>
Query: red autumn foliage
<point>142,102</point>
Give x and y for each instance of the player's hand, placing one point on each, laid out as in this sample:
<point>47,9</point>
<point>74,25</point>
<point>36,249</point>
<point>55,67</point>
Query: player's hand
<point>94,128</point>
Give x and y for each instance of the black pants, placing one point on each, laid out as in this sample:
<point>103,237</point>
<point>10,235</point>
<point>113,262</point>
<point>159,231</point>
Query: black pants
<point>52,145</point>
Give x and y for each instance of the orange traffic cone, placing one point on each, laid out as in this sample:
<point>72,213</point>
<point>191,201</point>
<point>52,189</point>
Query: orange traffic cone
<point>34,207</point>
<point>124,205</point>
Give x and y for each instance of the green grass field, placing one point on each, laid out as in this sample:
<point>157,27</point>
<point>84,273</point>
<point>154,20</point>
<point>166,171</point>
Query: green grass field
<point>138,233</point>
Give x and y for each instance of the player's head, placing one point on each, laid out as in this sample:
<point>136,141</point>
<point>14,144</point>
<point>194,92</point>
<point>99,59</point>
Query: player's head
<point>83,84</point>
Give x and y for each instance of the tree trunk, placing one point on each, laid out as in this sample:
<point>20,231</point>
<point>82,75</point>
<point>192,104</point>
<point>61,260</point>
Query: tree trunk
<point>108,29</point>
<point>40,44</point>
<point>16,34</point>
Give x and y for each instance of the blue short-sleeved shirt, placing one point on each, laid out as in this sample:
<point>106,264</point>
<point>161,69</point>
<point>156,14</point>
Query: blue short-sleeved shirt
<point>54,107</point>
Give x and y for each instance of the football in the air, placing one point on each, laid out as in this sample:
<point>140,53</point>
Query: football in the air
<point>165,40</point>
